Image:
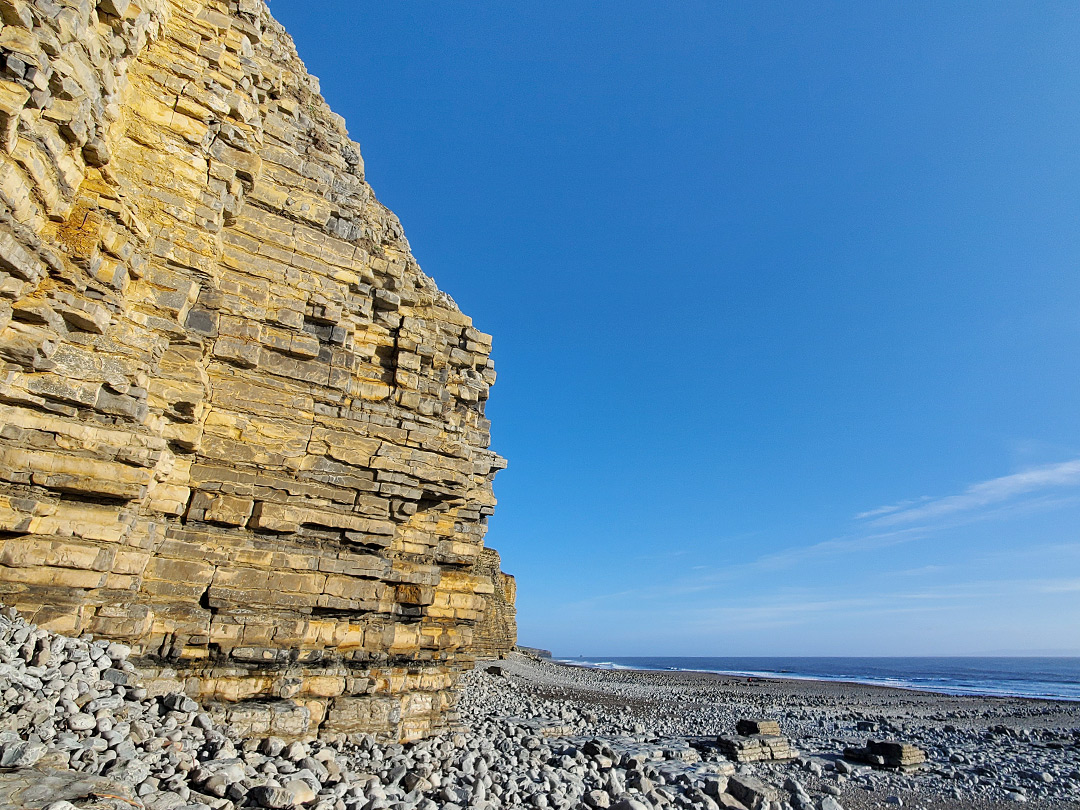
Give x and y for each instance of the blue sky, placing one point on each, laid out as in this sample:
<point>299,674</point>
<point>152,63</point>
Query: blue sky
<point>784,298</point>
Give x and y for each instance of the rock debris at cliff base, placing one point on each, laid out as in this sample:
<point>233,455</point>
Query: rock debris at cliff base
<point>240,430</point>
<point>77,726</point>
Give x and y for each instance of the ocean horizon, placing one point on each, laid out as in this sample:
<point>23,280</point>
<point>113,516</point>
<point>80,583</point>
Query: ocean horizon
<point>1043,677</point>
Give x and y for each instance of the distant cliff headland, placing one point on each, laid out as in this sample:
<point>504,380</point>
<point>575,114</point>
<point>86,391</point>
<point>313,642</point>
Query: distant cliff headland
<point>240,429</point>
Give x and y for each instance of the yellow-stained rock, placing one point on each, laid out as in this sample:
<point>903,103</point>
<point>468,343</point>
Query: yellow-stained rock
<point>239,428</point>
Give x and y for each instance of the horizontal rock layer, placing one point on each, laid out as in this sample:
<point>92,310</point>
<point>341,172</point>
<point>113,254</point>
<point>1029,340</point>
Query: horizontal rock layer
<point>496,634</point>
<point>239,428</point>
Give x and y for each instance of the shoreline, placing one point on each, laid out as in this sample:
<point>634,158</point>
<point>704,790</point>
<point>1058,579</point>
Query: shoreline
<point>785,677</point>
<point>81,732</point>
<point>983,751</point>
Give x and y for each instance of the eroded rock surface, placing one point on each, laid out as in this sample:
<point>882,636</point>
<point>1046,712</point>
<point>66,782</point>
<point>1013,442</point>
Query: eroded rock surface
<point>496,634</point>
<point>239,428</point>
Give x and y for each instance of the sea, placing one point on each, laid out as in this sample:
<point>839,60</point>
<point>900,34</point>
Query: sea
<point>1055,678</point>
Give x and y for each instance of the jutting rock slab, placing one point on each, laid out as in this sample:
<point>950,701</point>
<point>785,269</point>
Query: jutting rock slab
<point>240,430</point>
<point>756,741</point>
<point>887,754</point>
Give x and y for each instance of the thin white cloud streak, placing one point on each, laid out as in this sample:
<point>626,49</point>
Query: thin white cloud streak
<point>1060,586</point>
<point>817,605</point>
<point>885,539</point>
<point>1041,552</point>
<point>700,582</point>
<point>925,570</point>
<point>861,544</point>
<point>978,496</point>
<point>950,512</point>
<point>896,507</point>
<point>841,545</point>
<point>773,614</point>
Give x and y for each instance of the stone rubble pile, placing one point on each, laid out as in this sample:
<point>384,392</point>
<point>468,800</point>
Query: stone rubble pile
<point>758,748</point>
<point>74,717</point>
<point>76,724</point>
<point>978,751</point>
<point>887,754</point>
<point>756,741</point>
<point>626,767</point>
<point>749,728</point>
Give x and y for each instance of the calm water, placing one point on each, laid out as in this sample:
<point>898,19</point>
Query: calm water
<point>1024,677</point>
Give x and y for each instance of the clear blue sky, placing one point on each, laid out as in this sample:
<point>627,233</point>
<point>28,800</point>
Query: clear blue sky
<point>785,304</point>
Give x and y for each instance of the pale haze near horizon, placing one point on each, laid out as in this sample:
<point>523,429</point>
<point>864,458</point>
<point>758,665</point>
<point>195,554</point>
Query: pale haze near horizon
<point>784,304</point>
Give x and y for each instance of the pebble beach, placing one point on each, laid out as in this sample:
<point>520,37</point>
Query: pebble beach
<point>982,752</point>
<point>77,730</point>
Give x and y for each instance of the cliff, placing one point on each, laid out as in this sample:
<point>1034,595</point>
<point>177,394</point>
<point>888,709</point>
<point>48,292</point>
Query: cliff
<point>239,428</point>
<point>496,634</point>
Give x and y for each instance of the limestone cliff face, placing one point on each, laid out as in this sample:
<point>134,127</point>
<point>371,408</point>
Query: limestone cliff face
<point>496,634</point>
<point>239,428</point>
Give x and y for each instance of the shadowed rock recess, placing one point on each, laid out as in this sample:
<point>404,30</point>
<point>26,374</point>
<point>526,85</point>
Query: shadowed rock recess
<point>240,430</point>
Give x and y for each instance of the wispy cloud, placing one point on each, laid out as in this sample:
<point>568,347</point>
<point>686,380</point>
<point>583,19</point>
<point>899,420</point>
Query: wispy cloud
<point>816,604</point>
<point>992,588</point>
<point>772,614</point>
<point>1039,551</point>
<point>887,526</point>
<point>896,507</point>
<point>923,570</point>
<point>1060,586</point>
<point>874,530</point>
<point>840,545</point>
<point>980,496</point>
<point>699,579</point>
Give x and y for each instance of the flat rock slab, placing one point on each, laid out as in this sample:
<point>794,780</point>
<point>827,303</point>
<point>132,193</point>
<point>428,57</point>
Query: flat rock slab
<point>696,770</point>
<point>887,754</point>
<point>538,725</point>
<point>748,728</point>
<point>33,788</point>
<point>676,749</point>
<point>751,791</point>
<point>757,748</point>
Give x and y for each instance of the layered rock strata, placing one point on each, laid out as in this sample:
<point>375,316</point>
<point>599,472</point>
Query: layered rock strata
<point>239,428</point>
<point>496,634</point>
<point>887,754</point>
<point>756,748</point>
<point>756,741</point>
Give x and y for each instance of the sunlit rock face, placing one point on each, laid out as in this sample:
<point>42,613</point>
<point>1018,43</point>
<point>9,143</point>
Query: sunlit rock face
<point>239,428</point>
<point>496,634</point>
